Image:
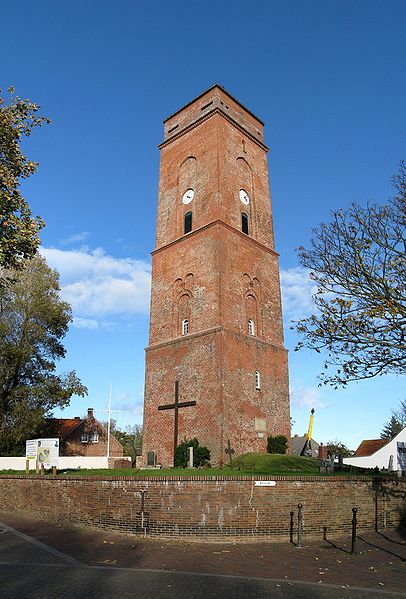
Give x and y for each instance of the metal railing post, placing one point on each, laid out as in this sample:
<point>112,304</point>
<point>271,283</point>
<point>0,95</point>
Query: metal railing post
<point>299,524</point>
<point>291,527</point>
<point>354,531</point>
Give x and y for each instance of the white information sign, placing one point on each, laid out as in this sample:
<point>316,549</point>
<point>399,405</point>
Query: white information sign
<point>45,451</point>
<point>265,483</point>
<point>31,449</point>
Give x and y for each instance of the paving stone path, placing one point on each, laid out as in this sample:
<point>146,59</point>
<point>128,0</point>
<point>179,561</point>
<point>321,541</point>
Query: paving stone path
<point>40,560</point>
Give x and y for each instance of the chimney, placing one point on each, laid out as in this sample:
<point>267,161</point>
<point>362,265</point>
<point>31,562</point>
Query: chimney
<point>90,412</point>
<point>323,451</point>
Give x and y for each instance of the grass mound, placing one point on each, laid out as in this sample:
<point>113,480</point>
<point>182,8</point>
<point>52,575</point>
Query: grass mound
<point>266,463</point>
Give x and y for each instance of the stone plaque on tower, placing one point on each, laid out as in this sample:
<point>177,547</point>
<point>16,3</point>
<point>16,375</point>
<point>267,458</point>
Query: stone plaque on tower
<point>216,318</point>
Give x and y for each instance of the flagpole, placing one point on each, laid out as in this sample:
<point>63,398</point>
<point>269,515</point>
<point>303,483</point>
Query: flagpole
<point>109,425</point>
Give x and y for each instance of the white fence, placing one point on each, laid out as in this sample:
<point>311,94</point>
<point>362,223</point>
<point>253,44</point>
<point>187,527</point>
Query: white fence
<point>64,462</point>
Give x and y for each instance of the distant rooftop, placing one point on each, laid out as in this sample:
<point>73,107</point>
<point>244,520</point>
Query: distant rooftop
<point>369,447</point>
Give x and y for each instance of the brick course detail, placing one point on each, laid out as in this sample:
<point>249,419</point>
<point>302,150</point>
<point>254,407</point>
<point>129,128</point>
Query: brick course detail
<point>210,508</point>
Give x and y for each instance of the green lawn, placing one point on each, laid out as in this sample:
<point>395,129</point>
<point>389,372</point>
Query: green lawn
<point>250,464</point>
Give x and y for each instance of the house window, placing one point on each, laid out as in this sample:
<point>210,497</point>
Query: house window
<point>244,223</point>
<point>188,222</point>
<point>251,328</point>
<point>85,438</point>
<point>95,438</point>
<point>185,327</point>
<point>257,380</point>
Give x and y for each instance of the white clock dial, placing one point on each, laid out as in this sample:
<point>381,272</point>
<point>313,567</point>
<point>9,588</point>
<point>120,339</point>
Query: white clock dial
<point>188,196</point>
<point>244,197</point>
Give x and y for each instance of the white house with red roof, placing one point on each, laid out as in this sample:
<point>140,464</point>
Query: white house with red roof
<point>388,455</point>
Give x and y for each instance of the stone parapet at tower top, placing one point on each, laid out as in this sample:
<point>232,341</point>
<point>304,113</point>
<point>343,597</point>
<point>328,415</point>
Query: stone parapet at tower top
<point>216,331</point>
<point>214,99</point>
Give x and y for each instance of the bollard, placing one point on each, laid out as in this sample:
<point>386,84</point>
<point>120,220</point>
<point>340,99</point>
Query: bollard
<point>354,532</point>
<point>53,471</point>
<point>299,525</point>
<point>142,493</point>
<point>291,527</point>
<point>27,466</point>
<point>42,470</point>
<point>36,467</point>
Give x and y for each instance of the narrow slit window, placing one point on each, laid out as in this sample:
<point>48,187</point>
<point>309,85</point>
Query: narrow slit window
<point>188,222</point>
<point>185,327</point>
<point>257,380</point>
<point>244,223</point>
<point>251,327</point>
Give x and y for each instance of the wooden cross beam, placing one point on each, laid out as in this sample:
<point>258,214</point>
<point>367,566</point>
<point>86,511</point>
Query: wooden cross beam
<point>175,406</point>
<point>229,450</point>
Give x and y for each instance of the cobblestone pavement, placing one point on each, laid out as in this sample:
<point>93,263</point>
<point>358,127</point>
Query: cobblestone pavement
<point>41,560</point>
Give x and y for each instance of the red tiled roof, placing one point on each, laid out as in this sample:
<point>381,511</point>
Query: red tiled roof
<point>64,426</point>
<point>369,447</point>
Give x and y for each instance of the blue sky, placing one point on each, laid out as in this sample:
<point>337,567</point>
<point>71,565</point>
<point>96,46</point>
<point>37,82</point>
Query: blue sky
<point>328,79</point>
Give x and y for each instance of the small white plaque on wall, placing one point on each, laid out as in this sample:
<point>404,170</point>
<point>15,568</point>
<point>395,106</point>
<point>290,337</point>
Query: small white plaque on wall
<point>265,483</point>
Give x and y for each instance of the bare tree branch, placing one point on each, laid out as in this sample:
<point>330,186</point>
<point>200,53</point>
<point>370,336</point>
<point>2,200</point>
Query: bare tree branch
<point>358,263</point>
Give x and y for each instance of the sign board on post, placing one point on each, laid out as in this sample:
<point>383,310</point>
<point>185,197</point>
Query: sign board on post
<point>31,449</point>
<point>44,451</point>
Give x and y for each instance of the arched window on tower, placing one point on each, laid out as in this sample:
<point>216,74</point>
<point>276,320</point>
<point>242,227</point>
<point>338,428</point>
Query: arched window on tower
<point>188,222</point>
<point>251,327</point>
<point>252,321</point>
<point>185,326</point>
<point>244,223</point>
<point>257,380</point>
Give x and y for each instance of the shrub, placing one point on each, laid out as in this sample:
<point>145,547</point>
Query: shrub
<point>201,455</point>
<point>277,444</point>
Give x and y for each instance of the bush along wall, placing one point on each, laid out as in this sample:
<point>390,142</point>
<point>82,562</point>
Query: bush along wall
<point>277,444</point>
<point>201,455</point>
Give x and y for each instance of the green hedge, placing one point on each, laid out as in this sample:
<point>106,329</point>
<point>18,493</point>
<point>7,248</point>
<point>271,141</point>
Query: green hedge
<point>277,444</point>
<point>201,455</point>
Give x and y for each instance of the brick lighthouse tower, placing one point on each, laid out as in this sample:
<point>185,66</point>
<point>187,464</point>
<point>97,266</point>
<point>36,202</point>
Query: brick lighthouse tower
<point>216,367</point>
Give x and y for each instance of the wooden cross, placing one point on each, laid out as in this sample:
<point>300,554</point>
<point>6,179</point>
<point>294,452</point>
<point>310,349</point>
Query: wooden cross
<point>175,406</point>
<point>229,450</point>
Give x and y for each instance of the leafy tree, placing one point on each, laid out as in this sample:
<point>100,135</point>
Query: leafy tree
<point>391,428</point>
<point>18,228</point>
<point>358,262</point>
<point>336,448</point>
<point>396,423</point>
<point>130,438</point>
<point>277,444</point>
<point>201,455</point>
<point>33,321</point>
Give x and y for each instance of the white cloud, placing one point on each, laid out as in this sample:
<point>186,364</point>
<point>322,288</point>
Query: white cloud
<point>297,291</point>
<point>74,238</point>
<point>125,403</point>
<point>308,397</point>
<point>85,323</point>
<point>99,286</point>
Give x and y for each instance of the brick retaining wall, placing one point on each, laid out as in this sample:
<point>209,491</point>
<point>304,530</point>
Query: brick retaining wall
<point>210,508</point>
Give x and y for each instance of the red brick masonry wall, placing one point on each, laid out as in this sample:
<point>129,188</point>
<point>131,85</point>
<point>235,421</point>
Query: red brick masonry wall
<point>211,508</point>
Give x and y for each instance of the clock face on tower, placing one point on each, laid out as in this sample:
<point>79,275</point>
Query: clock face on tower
<point>188,196</point>
<point>244,197</point>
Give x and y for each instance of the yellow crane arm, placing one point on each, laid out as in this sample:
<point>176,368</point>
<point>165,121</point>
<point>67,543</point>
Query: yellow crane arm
<point>309,431</point>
